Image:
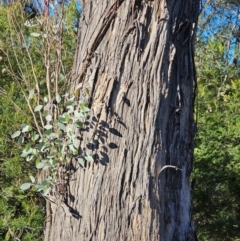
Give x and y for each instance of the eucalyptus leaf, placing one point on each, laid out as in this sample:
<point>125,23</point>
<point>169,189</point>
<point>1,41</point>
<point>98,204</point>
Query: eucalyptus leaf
<point>27,151</point>
<point>62,119</point>
<point>51,162</point>
<point>62,77</point>
<point>89,158</point>
<point>25,186</point>
<point>45,160</point>
<point>35,137</point>
<point>58,99</point>
<point>58,142</point>
<point>46,191</point>
<point>86,109</point>
<point>81,161</point>
<point>26,129</point>
<point>16,134</point>
<point>24,154</point>
<point>39,146</point>
<point>29,158</point>
<point>70,102</point>
<point>28,147</point>
<point>70,134</point>
<point>48,127</point>
<point>70,110</point>
<point>67,118</point>
<point>23,125</point>
<point>48,118</point>
<point>38,108</point>
<point>44,183</point>
<point>79,114</point>
<point>78,124</point>
<point>61,126</point>
<point>72,148</point>
<point>35,34</point>
<point>53,135</point>
<point>45,113</point>
<point>29,24</point>
<point>31,94</point>
<point>47,133</point>
<point>59,133</point>
<point>82,106</point>
<point>21,140</point>
<point>34,151</point>
<point>32,179</point>
<point>40,165</point>
<point>39,187</point>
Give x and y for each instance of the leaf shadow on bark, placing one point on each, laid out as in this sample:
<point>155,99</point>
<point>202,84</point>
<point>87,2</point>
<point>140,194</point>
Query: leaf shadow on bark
<point>100,132</point>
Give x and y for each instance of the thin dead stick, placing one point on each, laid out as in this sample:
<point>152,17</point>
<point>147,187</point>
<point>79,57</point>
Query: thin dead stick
<point>32,112</point>
<point>47,66</point>
<point>170,166</point>
<point>33,71</point>
<point>25,96</point>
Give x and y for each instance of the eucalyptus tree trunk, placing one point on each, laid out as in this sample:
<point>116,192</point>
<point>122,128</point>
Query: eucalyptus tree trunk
<point>136,59</point>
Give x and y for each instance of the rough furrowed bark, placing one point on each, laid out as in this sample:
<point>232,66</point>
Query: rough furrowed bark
<point>136,59</point>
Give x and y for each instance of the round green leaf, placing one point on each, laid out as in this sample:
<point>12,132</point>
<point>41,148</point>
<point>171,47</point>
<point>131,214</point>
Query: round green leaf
<point>48,117</point>
<point>88,158</point>
<point>38,108</point>
<point>31,94</point>
<point>45,99</point>
<point>81,161</point>
<point>16,134</point>
<point>86,109</point>
<point>26,128</point>
<point>40,165</point>
<point>53,135</point>
<point>61,126</point>
<point>48,127</point>
<point>35,34</point>
<point>62,119</point>
<point>23,125</point>
<point>21,140</point>
<point>44,182</point>
<point>79,114</point>
<point>62,77</point>
<point>46,191</point>
<point>29,158</point>
<point>78,124</point>
<point>35,137</point>
<point>32,179</point>
<point>39,187</point>
<point>47,133</point>
<point>72,148</point>
<point>25,186</point>
<point>58,142</point>
<point>26,151</point>
<point>58,99</point>
<point>45,113</point>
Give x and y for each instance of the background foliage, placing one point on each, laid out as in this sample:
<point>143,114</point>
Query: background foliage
<point>22,63</point>
<point>217,166</point>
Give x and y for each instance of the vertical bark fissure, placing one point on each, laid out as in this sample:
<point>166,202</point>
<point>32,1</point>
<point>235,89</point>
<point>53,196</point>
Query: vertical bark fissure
<point>136,59</point>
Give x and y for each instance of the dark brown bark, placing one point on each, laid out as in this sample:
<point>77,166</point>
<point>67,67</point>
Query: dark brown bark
<point>136,58</point>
